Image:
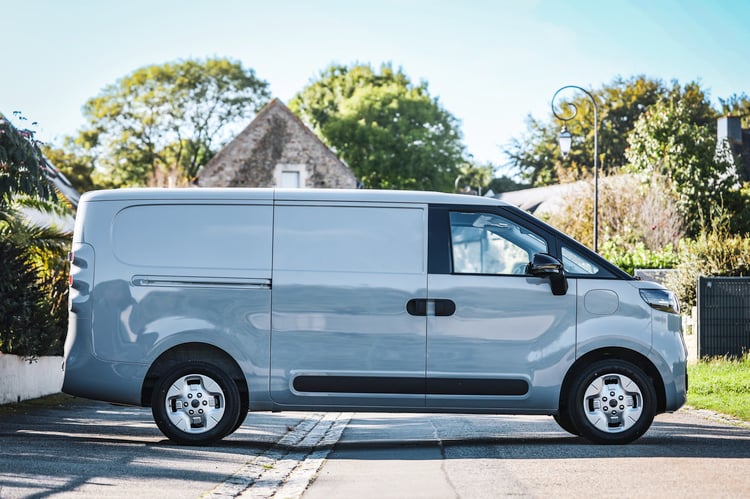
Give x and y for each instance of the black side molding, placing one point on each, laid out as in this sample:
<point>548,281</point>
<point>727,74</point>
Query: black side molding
<point>411,385</point>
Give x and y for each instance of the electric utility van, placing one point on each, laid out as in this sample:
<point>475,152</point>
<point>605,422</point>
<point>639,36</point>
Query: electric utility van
<point>206,303</point>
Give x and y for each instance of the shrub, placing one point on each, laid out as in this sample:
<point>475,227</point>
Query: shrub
<point>33,291</point>
<point>715,252</point>
<point>26,326</point>
<point>637,217</point>
<point>639,257</point>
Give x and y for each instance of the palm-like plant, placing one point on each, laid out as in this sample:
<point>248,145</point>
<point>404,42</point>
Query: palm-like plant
<point>33,296</point>
<point>33,245</point>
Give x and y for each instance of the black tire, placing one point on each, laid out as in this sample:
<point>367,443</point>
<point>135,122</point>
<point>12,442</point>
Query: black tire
<point>196,403</point>
<point>562,418</point>
<point>612,402</point>
<point>244,408</point>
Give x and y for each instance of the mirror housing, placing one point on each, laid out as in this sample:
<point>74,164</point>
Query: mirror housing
<point>545,265</point>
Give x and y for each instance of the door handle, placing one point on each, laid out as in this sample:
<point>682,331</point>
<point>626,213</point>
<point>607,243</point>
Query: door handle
<point>444,308</point>
<point>421,307</point>
<point>417,307</point>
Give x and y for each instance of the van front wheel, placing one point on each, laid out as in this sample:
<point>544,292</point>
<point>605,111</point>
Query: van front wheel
<point>612,402</point>
<point>563,420</point>
<point>196,403</point>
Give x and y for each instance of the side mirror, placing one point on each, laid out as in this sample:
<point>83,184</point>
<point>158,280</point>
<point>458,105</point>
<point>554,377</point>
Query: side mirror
<point>544,265</point>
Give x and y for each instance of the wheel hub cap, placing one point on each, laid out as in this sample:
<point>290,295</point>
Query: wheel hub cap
<point>195,403</point>
<point>613,403</point>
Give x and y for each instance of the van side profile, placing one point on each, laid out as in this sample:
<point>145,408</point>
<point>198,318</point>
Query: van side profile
<point>206,303</point>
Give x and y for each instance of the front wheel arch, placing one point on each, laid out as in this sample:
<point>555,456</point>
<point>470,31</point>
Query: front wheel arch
<point>624,354</point>
<point>612,402</point>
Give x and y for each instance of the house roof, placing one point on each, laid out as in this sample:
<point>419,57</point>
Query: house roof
<point>61,183</point>
<point>248,140</point>
<point>539,200</point>
<point>550,198</point>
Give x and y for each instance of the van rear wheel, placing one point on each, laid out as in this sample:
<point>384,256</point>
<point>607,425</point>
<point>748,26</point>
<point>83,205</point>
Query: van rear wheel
<point>196,403</point>
<point>612,402</point>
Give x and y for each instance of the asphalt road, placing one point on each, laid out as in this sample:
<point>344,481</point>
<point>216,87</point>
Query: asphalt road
<point>66,447</point>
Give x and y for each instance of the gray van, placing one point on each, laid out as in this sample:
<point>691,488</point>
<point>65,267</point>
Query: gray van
<point>206,303</point>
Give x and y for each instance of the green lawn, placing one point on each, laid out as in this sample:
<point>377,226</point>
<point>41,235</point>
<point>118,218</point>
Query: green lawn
<point>721,385</point>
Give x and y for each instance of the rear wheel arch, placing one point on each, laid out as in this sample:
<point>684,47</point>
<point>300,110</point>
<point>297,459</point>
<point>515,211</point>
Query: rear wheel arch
<point>202,352</point>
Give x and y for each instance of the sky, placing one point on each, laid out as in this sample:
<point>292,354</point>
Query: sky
<point>489,63</point>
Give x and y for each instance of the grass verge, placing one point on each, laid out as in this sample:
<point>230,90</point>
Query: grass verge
<point>721,385</point>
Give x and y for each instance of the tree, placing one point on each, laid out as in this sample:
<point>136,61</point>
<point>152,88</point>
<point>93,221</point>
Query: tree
<point>33,277</point>
<point>389,131</point>
<point>505,183</point>
<point>34,281</point>
<point>21,166</point>
<point>74,163</point>
<point>737,105</point>
<point>168,118</point>
<point>675,139</point>
<point>474,178</point>
<point>537,157</point>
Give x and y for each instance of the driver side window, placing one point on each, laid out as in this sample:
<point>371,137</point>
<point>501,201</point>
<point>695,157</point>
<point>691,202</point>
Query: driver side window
<point>485,243</point>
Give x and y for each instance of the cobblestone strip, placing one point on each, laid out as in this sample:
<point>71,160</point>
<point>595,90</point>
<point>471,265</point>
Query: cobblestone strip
<point>285,470</point>
<point>296,484</point>
<point>252,471</point>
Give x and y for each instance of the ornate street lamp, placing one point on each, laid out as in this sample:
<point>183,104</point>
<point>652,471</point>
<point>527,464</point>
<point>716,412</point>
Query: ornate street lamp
<point>565,140</point>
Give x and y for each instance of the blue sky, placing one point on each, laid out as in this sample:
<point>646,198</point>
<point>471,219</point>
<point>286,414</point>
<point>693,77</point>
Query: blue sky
<point>490,63</point>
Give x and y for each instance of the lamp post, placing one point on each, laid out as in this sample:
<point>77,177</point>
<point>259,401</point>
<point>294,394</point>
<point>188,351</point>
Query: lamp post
<point>565,140</point>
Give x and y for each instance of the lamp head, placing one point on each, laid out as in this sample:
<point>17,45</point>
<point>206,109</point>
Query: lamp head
<point>565,139</point>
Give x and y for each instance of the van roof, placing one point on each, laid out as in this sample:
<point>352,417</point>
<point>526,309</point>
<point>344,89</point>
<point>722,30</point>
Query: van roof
<point>259,194</point>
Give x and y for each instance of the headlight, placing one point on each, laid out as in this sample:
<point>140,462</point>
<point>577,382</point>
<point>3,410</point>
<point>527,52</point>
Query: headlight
<point>661,299</point>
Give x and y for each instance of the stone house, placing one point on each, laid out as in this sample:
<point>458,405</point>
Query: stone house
<point>276,150</point>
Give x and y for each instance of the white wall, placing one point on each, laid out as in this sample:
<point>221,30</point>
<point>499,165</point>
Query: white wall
<point>21,380</point>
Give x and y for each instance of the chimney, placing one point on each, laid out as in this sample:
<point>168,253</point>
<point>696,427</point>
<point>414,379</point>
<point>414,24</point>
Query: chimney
<point>729,127</point>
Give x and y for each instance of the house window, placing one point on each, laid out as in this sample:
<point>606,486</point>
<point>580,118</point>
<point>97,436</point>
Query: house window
<point>292,176</point>
<point>289,179</point>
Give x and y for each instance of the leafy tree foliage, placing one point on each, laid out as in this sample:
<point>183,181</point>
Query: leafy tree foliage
<point>474,178</point>
<point>168,117</point>
<point>21,167</point>
<point>675,139</point>
<point>33,279</point>
<point>33,276</point>
<point>737,105</point>
<point>715,251</point>
<point>23,321</point>
<point>536,155</point>
<point>74,162</point>
<point>389,131</point>
<point>504,183</point>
